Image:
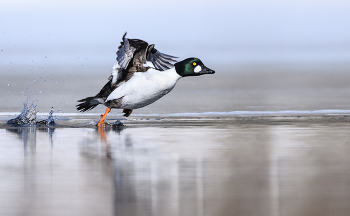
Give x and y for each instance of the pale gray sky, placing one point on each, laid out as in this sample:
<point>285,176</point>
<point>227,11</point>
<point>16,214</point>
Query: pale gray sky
<point>219,32</point>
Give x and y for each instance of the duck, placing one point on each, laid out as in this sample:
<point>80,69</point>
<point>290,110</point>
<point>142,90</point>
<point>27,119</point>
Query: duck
<point>133,55</point>
<point>137,85</point>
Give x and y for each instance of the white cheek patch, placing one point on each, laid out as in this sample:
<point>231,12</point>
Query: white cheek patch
<point>197,68</point>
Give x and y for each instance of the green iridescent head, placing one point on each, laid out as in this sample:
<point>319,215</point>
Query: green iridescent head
<point>192,67</point>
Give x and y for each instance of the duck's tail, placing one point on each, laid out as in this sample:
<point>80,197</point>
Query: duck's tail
<point>88,103</point>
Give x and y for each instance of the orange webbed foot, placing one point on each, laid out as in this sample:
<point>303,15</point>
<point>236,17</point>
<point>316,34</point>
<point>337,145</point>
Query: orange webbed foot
<point>103,117</point>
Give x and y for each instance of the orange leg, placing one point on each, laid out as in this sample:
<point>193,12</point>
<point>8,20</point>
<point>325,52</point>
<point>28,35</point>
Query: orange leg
<point>127,112</point>
<point>101,122</point>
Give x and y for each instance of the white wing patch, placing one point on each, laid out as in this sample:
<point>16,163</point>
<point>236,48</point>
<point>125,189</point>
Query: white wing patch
<point>197,68</point>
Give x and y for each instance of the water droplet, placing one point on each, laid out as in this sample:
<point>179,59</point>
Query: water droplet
<point>9,85</point>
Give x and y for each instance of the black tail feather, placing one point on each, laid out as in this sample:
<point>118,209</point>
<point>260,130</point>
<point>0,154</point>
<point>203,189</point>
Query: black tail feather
<point>86,104</point>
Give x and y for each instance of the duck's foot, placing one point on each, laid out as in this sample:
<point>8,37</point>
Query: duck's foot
<point>103,117</point>
<point>127,112</point>
<point>102,124</point>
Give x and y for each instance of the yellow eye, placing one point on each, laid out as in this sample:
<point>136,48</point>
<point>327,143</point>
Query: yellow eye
<point>194,63</point>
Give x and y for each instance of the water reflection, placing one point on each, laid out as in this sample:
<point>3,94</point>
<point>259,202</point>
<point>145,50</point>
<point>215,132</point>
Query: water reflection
<point>239,171</point>
<point>29,136</point>
<point>44,173</point>
<point>231,170</point>
<point>189,171</point>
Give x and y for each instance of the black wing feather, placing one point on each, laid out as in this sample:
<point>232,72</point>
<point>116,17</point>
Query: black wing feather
<point>160,60</point>
<point>125,53</point>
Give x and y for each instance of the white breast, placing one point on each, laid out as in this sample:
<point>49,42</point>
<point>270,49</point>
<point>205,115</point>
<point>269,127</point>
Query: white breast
<point>145,88</point>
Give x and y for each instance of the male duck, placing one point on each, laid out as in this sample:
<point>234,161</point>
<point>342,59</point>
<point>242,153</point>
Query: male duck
<point>134,86</point>
<point>132,55</point>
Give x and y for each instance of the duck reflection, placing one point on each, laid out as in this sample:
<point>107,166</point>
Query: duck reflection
<point>106,145</point>
<point>128,191</point>
<point>147,182</point>
<point>184,171</point>
<point>147,187</point>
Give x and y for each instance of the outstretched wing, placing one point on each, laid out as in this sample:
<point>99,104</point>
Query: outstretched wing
<point>127,50</point>
<point>132,54</point>
<point>160,60</point>
<point>125,53</point>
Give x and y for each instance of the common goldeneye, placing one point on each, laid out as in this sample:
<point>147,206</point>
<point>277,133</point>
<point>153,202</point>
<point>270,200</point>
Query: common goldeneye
<point>141,88</point>
<point>133,55</point>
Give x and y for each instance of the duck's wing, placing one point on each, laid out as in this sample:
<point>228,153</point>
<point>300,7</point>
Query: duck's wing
<point>127,49</point>
<point>131,56</point>
<point>160,60</point>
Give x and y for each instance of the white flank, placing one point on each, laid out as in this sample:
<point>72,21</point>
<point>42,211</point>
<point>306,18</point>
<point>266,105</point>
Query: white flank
<point>145,88</point>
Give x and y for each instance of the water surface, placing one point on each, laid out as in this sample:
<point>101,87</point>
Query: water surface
<point>219,169</point>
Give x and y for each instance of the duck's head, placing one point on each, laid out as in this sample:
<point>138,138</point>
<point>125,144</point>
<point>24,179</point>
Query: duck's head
<point>192,67</point>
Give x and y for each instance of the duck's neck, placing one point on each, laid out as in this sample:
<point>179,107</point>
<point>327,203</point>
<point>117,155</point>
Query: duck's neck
<point>172,72</point>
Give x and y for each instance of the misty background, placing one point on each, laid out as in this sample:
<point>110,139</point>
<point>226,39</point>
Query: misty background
<point>268,55</point>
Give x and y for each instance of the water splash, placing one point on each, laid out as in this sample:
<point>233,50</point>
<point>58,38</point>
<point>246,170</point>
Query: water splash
<point>28,117</point>
<point>50,121</point>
